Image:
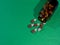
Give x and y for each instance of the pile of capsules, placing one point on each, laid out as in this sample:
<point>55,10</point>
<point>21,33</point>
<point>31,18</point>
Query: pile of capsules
<point>37,25</point>
<point>44,15</point>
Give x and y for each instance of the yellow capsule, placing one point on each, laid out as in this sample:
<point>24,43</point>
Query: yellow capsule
<point>46,14</point>
<point>51,6</point>
<point>42,19</point>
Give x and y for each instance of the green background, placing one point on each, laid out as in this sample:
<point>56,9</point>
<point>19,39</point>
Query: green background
<point>15,15</point>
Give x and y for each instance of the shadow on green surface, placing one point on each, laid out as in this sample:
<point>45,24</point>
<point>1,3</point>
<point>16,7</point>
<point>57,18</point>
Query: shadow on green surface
<point>38,8</point>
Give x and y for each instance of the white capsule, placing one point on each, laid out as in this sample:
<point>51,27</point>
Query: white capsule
<point>32,24</point>
<point>35,29</point>
<point>39,29</point>
<point>35,19</point>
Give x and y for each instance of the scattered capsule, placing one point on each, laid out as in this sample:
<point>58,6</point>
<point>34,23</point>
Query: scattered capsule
<point>30,25</point>
<point>39,29</point>
<point>32,21</point>
<point>41,25</point>
<point>33,31</point>
<point>36,24</point>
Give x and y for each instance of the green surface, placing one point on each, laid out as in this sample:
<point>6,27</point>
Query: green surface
<point>15,15</point>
